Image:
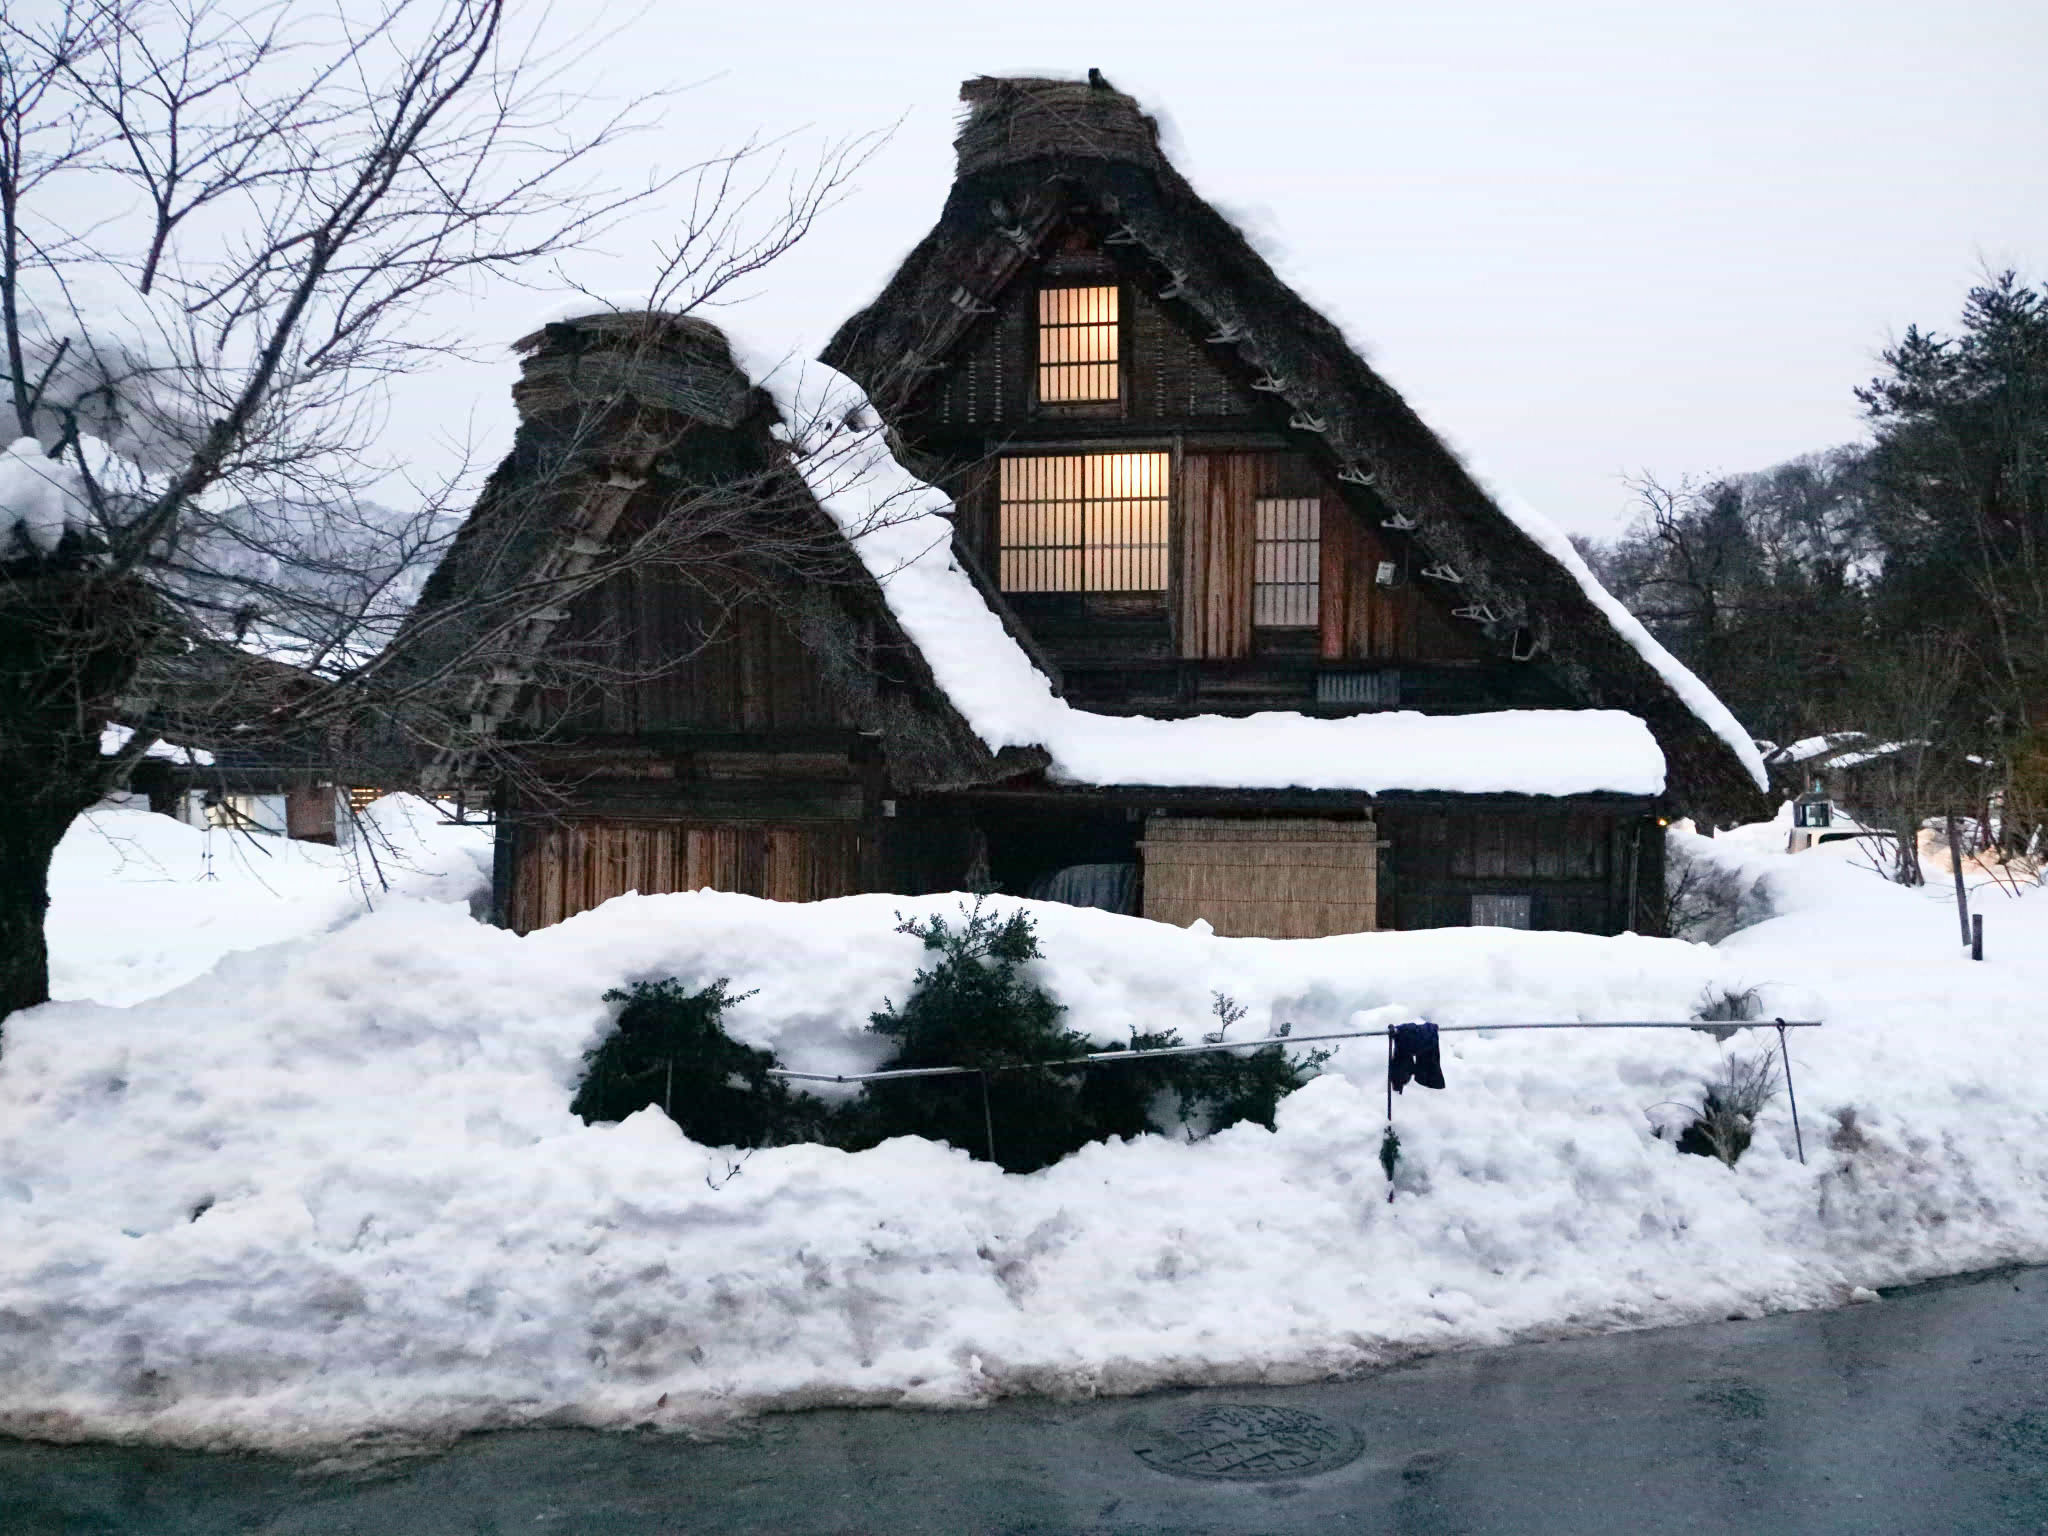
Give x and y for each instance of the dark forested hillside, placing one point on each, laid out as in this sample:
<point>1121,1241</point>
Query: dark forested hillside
<point>1897,586</point>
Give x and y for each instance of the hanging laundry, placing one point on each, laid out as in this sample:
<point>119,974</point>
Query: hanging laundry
<point>1415,1057</point>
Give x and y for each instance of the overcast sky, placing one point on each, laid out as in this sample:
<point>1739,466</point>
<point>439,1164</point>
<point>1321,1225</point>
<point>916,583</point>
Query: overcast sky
<point>1585,239</point>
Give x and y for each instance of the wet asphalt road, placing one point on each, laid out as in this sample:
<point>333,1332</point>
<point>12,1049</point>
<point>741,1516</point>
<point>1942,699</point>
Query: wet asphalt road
<point>1923,1414</point>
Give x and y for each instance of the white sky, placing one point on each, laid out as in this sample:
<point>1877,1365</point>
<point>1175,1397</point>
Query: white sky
<point>1586,239</point>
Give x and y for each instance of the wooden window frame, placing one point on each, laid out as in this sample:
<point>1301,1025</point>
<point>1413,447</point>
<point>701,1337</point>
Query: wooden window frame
<point>1118,407</point>
<point>1081,501</point>
<point>1313,543</point>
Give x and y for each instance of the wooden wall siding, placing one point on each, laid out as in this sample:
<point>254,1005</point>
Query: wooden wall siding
<point>570,867</point>
<point>1170,375</point>
<point>1568,861</point>
<point>989,383</point>
<point>309,811</point>
<point>1359,619</point>
<point>1363,620</point>
<point>1216,494</point>
<point>1173,377</point>
<point>753,674</point>
<point>1279,878</point>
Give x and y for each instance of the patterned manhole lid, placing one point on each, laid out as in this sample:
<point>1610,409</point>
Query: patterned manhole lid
<point>1249,1443</point>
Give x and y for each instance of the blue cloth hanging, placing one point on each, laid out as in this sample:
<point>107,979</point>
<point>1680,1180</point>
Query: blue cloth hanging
<point>1416,1058</point>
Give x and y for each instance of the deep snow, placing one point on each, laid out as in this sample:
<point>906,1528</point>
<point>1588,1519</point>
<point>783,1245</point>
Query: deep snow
<point>140,903</point>
<point>332,1188</point>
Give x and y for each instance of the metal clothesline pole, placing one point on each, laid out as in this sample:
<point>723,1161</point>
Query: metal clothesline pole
<point>1785,1058</point>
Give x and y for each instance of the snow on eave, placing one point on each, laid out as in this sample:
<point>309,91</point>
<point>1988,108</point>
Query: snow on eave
<point>1704,703</point>
<point>902,530</point>
<point>1858,757</point>
<point>1809,747</point>
<point>1697,697</point>
<point>113,738</point>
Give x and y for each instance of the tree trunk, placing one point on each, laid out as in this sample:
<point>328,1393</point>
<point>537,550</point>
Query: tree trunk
<point>70,642</point>
<point>1909,871</point>
<point>28,837</point>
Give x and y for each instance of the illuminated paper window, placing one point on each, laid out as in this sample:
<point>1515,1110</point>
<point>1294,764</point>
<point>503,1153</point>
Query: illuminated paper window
<point>1085,522</point>
<point>1287,562</point>
<point>1077,345</point>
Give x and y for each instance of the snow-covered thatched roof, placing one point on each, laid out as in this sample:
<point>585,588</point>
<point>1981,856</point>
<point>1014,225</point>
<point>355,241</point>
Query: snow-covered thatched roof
<point>1032,152</point>
<point>902,529</point>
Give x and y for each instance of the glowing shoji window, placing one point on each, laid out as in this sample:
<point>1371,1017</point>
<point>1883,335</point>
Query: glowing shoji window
<point>1287,562</point>
<point>1077,345</point>
<point>1085,522</point>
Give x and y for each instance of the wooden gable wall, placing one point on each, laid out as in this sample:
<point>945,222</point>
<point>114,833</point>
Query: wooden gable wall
<point>666,652</point>
<point>1361,620</point>
<point>1171,376</point>
<point>1194,645</point>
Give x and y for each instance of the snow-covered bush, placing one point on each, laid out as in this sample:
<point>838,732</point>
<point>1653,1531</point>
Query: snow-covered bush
<point>1729,1105</point>
<point>669,1050</point>
<point>1224,1088</point>
<point>976,1007</point>
<point>1202,1093</point>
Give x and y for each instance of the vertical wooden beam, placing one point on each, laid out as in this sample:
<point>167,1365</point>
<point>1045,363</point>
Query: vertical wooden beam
<point>1340,532</point>
<point>1193,588</point>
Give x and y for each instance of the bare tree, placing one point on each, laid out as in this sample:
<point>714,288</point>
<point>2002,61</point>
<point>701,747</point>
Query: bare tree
<point>220,230</point>
<point>1912,768</point>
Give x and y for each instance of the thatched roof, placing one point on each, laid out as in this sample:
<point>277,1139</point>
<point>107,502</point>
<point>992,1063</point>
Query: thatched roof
<point>630,416</point>
<point>1036,154</point>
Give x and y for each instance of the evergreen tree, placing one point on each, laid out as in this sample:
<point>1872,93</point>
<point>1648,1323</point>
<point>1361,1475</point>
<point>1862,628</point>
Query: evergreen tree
<point>670,1050</point>
<point>1959,473</point>
<point>976,1007</point>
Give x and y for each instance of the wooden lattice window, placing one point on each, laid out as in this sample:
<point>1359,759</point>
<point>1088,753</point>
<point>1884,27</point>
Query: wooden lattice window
<point>1078,352</point>
<point>1085,522</point>
<point>360,796</point>
<point>1287,562</point>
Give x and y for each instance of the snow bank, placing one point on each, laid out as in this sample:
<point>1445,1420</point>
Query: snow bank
<point>333,1188</point>
<point>140,903</point>
<point>902,529</point>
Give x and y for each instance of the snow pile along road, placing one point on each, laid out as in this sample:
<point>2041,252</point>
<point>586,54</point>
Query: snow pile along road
<point>334,1189</point>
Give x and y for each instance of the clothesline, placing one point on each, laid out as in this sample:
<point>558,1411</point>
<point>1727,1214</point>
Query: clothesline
<point>1385,1030</point>
<point>1097,1058</point>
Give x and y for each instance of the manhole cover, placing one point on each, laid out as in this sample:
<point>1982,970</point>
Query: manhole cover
<point>1249,1443</point>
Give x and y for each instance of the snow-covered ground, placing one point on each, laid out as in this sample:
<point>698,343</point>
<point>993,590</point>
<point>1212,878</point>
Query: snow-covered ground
<point>332,1188</point>
<point>140,904</point>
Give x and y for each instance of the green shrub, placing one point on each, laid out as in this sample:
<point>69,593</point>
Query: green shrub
<point>1224,1088</point>
<point>975,1007</point>
<point>669,1049</point>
